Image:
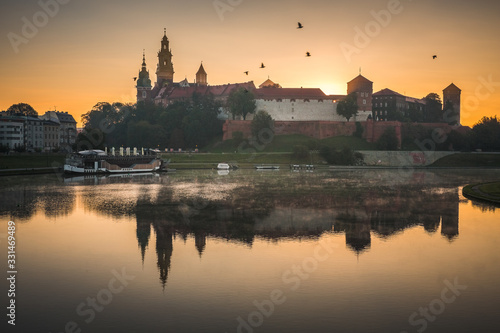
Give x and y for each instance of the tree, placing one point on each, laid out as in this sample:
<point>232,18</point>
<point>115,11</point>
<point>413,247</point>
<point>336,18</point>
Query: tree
<point>348,107</point>
<point>22,109</point>
<point>433,108</point>
<point>103,115</point>
<point>262,125</point>
<point>388,140</point>
<point>486,134</point>
<point>346,156</point>
<point>241,102</point>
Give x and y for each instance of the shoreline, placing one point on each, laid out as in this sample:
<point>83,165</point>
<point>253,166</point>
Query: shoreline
<point>480,193</point>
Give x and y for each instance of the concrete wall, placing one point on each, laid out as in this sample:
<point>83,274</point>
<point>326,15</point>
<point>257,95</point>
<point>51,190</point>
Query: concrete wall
<point>403,158</point>
<point>298,110</point>
<point>286,110</point>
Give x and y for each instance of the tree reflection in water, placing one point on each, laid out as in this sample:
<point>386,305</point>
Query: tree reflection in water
<point>244,206</point>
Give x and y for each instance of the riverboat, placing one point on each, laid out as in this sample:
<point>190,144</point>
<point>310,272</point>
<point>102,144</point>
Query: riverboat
<point>98,161</point>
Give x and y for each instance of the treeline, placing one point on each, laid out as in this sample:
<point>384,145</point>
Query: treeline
<point>484,136</point>
<point>184,124</point>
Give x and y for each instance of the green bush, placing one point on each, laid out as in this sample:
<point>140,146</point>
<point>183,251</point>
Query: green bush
<point>346,156</point>
<point>300,151</point>
<point>238,138</point>
<point>388,140</point>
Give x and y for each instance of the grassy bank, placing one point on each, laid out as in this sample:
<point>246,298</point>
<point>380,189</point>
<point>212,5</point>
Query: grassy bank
<point>487,192</point>
<point>201,160</point>
<point>29,161</point>
<point>469,160</point>
<point>286,143</point>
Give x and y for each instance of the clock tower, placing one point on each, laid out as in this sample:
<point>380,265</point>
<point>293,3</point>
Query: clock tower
<point>165,69</point>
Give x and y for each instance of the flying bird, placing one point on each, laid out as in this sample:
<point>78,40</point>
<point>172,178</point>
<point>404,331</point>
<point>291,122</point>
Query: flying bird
<point>299,26</point>
<point>434,56</point>
<point>262,66</point>
<point>135,78</point>
<point>308,54</point>
<point>246,72</point>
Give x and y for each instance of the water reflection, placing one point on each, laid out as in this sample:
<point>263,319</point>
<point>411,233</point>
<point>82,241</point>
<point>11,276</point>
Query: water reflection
<point>240,207</point>
<point>274,209</point>
<point>23,201</point>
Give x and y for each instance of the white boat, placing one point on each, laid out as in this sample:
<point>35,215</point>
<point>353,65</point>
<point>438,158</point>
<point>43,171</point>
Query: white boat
<point>267,167</point>
<point>223,166</point>
<point>97,161</point>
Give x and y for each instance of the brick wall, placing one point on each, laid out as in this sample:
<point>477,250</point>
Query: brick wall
<point>327,129</point>
<point>315,129</point>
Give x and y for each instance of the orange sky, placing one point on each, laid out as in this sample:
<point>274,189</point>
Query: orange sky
<point>89,51</point>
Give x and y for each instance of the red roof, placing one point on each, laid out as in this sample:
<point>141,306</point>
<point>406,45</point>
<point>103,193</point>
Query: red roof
<point>290,93</point>
<point>452,88</point>
<point>387,92</point>
<point>218,91</point>
<point>360,78</point>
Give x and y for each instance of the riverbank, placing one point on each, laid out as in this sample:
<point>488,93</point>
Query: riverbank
<point>489,192</point>
<point>47,163</point>
<point>30,164</point>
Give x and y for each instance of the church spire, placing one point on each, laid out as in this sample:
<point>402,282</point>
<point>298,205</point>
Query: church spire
<point>165,71</point>
<point>201,76</point>
<point>143,59</point>
<point>143,81</point>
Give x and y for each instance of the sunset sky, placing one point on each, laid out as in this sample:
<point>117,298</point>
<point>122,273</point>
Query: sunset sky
<point>89,51</point>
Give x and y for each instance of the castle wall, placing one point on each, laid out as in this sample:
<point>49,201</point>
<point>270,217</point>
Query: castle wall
<point>286,110</point>
<point>315,129</point>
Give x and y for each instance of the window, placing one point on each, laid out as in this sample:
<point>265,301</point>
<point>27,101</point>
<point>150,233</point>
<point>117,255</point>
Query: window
<point>144,95</point>
<point>364,102</point>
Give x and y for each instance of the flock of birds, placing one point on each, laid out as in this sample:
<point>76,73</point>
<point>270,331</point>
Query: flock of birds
<point>308,54</point>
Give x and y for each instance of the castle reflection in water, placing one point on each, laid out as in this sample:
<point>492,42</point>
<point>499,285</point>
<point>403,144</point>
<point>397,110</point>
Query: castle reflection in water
<point>291,207</point>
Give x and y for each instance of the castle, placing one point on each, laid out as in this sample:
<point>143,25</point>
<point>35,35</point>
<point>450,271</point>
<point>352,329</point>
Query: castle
<point>292,104</point>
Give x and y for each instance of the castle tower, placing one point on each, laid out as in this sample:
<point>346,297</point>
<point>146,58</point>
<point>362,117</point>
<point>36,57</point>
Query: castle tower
<point>364,89</point>
<point>165,70</point>
<point>452,94</point>
<point>201,76</point>
<point>143,82</point>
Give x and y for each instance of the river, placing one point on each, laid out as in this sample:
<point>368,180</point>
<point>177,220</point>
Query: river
<point>272,251</point>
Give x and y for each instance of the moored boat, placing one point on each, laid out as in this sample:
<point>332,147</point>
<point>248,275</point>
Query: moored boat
<point>97,161</point>
<point>267,167</point>
<point>223,166</point>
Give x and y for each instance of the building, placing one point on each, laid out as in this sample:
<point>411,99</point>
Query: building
<point>166,91</point>
<point>389,105</point>
<point>33,133</point>
<point>296,104</point>
<point>67,128</point>
<point>285,104</point>
<point>452,94</point>
<point>201,76</point>
<point>143,83</point>
<point>51,135</point>
<point>364,90</point>
<point>11,132</point>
